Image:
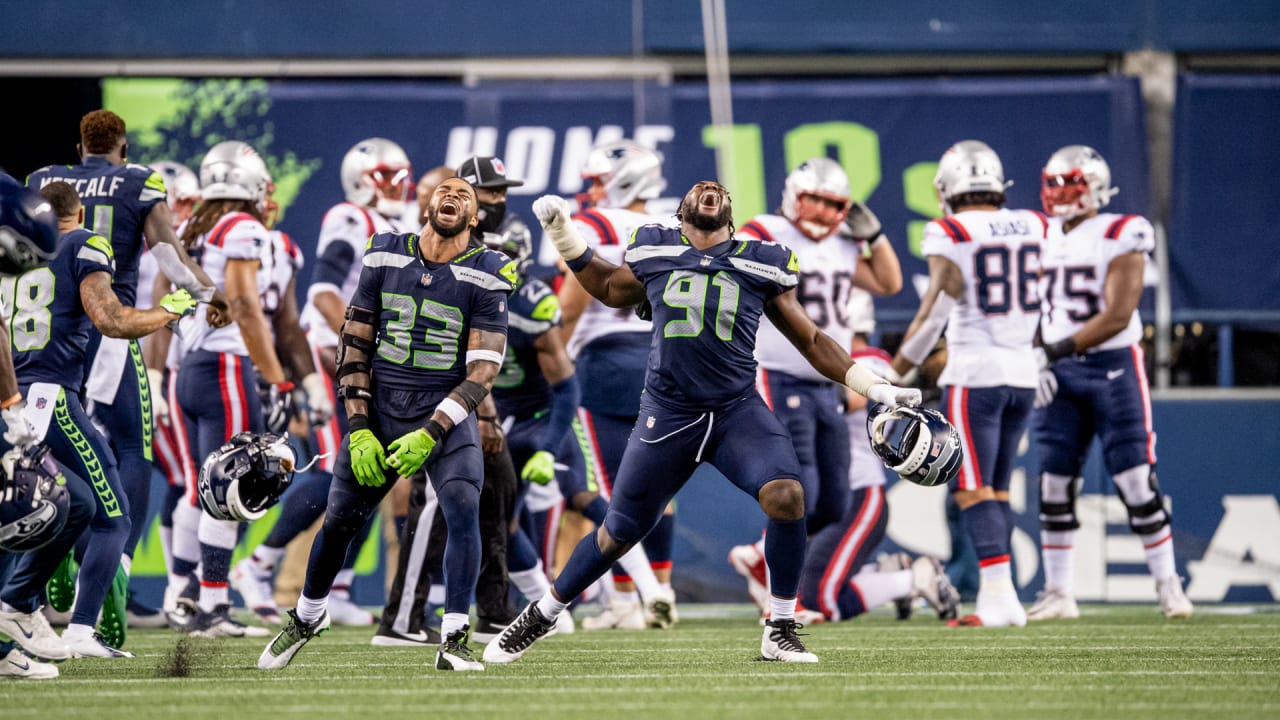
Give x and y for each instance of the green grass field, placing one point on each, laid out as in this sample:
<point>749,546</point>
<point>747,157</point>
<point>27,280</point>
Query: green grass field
<point>1115,662</point>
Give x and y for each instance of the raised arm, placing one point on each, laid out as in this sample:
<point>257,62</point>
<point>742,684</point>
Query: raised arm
<point>610,284</point>
<point>879,273</point>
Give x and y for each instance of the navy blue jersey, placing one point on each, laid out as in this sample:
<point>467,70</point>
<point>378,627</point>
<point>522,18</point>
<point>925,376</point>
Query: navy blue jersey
<point>521,389</point>
<point>425,310</point>
<point>706,309</point>
<point>117,200</point>
<point>48,327</point>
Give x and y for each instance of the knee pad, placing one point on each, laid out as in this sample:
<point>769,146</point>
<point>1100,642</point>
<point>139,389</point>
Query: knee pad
<point>1058,502</point>
<point>1140,493</point>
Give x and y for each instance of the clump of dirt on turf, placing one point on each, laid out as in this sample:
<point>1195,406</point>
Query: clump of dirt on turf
<point>185,658</point>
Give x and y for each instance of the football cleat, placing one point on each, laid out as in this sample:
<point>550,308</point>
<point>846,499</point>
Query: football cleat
<point>1053,604</point>
<point>454,654</point>
<point>16,665</point>
<point>620,615</point>
<point>385,637</point>
<point>996,607</point>
<point>218,623</point>
<point>781,643</point>
<point>290,640</point>
<point>487,629</point>
<point>93,646</point>
<point>34,634</point>
<point>61,587</point>
<point>342,611</point>
<point>115,613</point>
<point>660,611</point>
<point>749,563</point>
<point>1174,603</point>
<point>905,607</point>
<point>930,581</point>
<point>140,615</point>
<point>254,585</point>
<point>519,636</point>
<point>564,624</point>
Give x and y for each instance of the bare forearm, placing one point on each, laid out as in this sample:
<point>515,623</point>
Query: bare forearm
<point>247,314</point>
<point>1099,329</point>
<point>882,273</point>
<point>8,378</point>
<point>129,323</point>
<point>332,308</point>
<point>480,372</point>
<point>599,278</point>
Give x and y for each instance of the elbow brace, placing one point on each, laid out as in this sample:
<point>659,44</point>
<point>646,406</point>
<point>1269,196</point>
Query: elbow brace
<point>916,348</point>
<point>565,396</point>
<point>179,274</point>
<point>355,362</point>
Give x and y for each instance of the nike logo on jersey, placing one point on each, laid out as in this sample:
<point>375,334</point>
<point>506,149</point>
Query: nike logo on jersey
<point>1113,374</point>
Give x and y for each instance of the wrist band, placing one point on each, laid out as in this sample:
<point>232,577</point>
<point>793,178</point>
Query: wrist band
<point>434,429</point>
<point>358,422</point>
<point>1060,349</point>
<point>453,410</point>
<point>582,261</point>
<point>488,418</point>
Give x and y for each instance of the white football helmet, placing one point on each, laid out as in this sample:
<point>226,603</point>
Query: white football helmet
<point>232,170</point>
<point>969,166</point>
<point>179,180</point>
<point>821,177</point>
<point>376,173</point>
<point>1076,181</point>
<point>628,171</point>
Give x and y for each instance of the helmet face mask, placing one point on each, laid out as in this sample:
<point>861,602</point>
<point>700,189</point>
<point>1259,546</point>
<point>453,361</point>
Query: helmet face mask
<point>245,477</point>
<point>1075,182</point>
<point>376,173</point>
<point>621,173</point>
<point>815,197</point>
<point>34,501</point>
<point>919,444</point>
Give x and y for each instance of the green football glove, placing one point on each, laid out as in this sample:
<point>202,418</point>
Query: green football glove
<point>179,303</point>
<point>410,451</point>
<point>367,458</point>
<point>541,468</point>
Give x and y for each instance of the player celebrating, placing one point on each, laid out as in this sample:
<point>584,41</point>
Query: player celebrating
<point>416,381</point>
<point>983,260</point>
<point>1094,381</point>
<point>699,403</point>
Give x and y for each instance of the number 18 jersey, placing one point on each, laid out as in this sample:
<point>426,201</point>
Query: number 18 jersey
<point>991,328</point>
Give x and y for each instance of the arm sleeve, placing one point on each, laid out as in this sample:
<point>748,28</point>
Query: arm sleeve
<point>334,263</point>
<point>565,396</point>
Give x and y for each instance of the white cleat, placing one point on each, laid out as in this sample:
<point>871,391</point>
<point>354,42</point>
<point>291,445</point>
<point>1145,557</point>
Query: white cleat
<point>16,665</point>
<point>254,585</point>
<point>344,612</point>
<point>929,580</point>
<point>34,634</point>
<point>519,636</point>
<point>781,643</point>
<point>1053,604</point>
<point>1174,603</point>
<point>619,615</point>
<point>749,563</point>
<point>660,611</point>
<point>93,646</point>
<point>1000,607</point>
<point>564,624</point>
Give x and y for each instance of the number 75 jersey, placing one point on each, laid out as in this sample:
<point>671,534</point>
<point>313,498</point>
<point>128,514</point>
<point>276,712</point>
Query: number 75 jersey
<point>991,328</point>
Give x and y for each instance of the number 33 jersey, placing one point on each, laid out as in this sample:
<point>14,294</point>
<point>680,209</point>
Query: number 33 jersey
<point>706,310</point>
<point>990,330</point>
<point>424,311</point>
<point>1074,268</point>
<point>826,276</point>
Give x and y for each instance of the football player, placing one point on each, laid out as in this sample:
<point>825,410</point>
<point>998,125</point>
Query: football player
<point>428,320</point>
<point>55,312</point>
<point>610,347</point>
<point>124,203</point>
<point>839,245</point>
<point>708,292</point>
<point>1093,379</point>
<point>983,264</point>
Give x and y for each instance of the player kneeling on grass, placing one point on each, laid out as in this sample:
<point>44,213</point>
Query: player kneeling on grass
<point>707,291</point>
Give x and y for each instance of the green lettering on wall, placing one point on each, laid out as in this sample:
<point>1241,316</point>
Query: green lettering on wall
<point>743,169</point>
<point>857,148</point>
<point>920,196</point>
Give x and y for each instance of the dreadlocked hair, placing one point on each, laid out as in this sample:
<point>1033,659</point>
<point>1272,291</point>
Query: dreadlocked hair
<point>209,212</point>
<point>101,131</point>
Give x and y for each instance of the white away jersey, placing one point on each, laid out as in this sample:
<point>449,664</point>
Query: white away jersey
<point>283,262</point>
<point>608,231</point>
<point>238,236</point>
<point>344,233</point>
<point>865,467</point>
<point>826,277</point>
<point>1074,268</point>
<point>990,330</point>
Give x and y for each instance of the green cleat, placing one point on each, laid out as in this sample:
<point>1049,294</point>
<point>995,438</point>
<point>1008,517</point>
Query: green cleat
<point>115,620</point>
<point>290,640</point>
<point>61,588</point>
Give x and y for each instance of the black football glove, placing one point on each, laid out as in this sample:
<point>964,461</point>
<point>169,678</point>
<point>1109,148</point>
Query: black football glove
<point>277,405</point>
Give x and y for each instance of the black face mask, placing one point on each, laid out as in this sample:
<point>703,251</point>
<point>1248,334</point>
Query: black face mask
<point>491,215</point>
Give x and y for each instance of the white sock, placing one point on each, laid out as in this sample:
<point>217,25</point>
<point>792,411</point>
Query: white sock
<point>211,596</point>
<point>1159,549</point>
<point>549,607</point>
<point>666,587</point>
<point>178,583</point>
<point>995,573</point>
<point>1058,549</point>
<point>342,582</point>
<point>266,558</point>
<point>636,564</point>
<point>453,622</point>
<point>126,562</point>
<point>310,610</point>
<point>782,608</point>
<point>166,545</point>
<point>878,588</point>
<point>629,597</point>
<point>531,583</point>
<point>77,632</point>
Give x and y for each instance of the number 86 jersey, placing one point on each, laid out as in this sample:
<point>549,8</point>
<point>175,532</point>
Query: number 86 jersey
<point>991,328</point>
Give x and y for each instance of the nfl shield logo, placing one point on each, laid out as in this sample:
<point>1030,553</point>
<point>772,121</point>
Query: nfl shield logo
<point>41,402</point>
<point>705,261</point>
<point>426,279</point>
<point>649,423</point>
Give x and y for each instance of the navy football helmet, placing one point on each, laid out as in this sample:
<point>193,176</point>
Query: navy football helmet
<point>919,444</point>
<point>34,501</point>
<point>244,478</point>
<point>28,228</point>
<point>515,241</point>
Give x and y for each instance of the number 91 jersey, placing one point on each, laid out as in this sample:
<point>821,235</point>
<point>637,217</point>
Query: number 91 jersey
<point>425,310</point>
<point>991,328</point>
<point>706,310</point>
<point>826,277</point>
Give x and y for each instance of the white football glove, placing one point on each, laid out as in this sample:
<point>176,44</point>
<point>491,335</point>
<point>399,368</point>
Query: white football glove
<point>893,396</point>
<point>19,432</point>
<point>159,405</point>
<point>553,212</point>
<point>1047,383</point>
<point>319,404</point>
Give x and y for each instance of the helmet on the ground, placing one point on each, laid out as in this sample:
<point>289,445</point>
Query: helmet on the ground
<point>919,444</point>
<point>244,478</point>
<point>818,177</point>
<point>34,501</point>
<point>1075,181</point>
<point>28,228</point>
<point>969,166</point>
<point>377,173</point>
<point>628,171</point>
<point>233,170</point>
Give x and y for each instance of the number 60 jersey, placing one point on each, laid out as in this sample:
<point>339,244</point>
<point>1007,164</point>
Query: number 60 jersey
<point>991,328</point>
